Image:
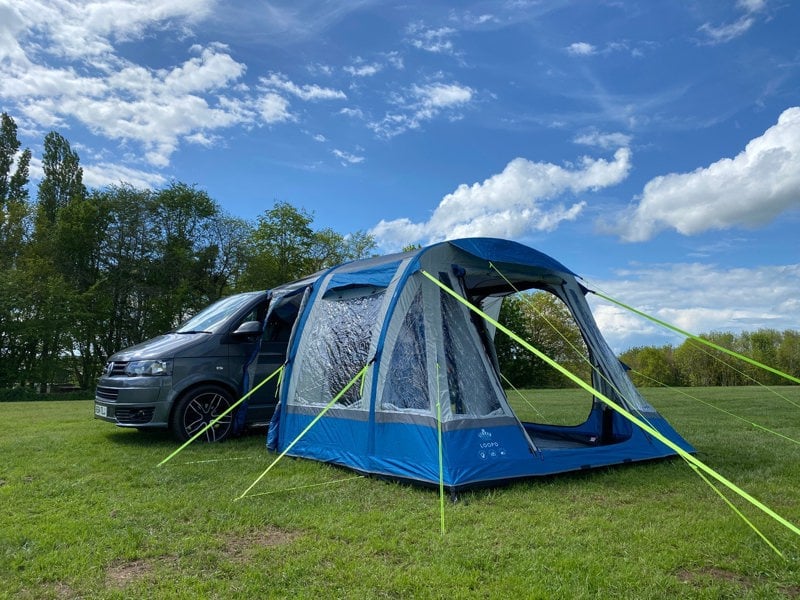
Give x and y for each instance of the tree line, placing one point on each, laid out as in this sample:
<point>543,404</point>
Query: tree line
<point>86,272</point>
<point>693,363</point>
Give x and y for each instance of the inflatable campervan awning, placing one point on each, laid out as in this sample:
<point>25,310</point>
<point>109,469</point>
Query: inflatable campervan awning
<point>390,372</point>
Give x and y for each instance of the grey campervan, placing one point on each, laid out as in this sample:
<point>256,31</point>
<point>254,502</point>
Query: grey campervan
<point>182,380</point>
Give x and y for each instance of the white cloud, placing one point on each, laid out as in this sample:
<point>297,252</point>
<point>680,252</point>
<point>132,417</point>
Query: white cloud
<point>607,141</point>
<point>485,18</point>
<point>76,30</point>
<point>320,69</point>
<point>698,298</point>
<point>67,63</point>
<point>395,60</point>
<point>156,108</point>
<point>509,204</point>
<point>363,69</point>
<point>440,95</point>
<point>12,24</point>
<point>752,6</point>
<point>355,113</point>
<point>421,104</point>
<point>431,40</point>
<point>274,108</point>
<point>278,81</point>
<point>104,174</point>
<point>725,33</point>
<point>61,64</point>
<point>213,69</point>
<point>634,49</point>
<point>719,34</point>
<point>347,158</point>
<point>581,49</point>
<point>748,190</point>
<point>202,139</point>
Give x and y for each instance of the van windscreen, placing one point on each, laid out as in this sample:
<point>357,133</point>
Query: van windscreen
<point>211,317</point>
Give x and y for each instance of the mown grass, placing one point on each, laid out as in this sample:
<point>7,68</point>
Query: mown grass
<point>87,514</point>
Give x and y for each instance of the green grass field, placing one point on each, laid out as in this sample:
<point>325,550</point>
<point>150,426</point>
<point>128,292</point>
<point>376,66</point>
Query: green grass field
<point>85,513</point>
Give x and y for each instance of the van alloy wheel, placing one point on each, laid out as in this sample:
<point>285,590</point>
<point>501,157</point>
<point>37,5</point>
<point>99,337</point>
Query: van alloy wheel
<point>197,409</point>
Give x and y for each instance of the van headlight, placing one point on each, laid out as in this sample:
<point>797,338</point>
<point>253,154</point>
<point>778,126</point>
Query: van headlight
<point>139,368</point>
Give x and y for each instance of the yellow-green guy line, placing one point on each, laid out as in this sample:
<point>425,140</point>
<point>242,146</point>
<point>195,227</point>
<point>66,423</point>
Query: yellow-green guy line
<point>614,387</point>
<point>697,338</point>
<point>280,381</point>
<point>706,480</point>
<point>214,460</point>
<point>305,487</point>
<point>718,359</point>
<point>737,511</point>
<point>522,397</point>
<point>632,418</point>
<point>715,407</point>
<point>745,375</point>
<point>216,420</point>
<point>335,399</point>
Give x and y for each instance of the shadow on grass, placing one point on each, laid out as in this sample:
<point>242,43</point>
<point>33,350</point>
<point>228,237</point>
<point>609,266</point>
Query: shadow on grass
<point>149,437</point>
<point>144,437</point>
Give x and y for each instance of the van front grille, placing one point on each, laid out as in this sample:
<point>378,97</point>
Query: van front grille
<point>106,393</point>
<point>115,368</point>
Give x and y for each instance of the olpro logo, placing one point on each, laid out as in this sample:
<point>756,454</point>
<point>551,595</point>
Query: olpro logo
<point>487,447</point>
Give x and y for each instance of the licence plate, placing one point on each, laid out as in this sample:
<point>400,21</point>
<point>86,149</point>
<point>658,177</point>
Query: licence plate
<point>100,410</point>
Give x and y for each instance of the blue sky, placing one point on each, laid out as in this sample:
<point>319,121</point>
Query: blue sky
<point>653,146</point>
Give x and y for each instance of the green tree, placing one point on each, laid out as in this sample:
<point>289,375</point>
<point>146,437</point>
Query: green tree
<point>165,254</point>
<point>14,214</point>
<point>763,346</point>
<point>230,236</point>
<point>516,363</point>
<point>62,181</point>
<point>182,274</point>
<point>695,364</point>
<point>78,235</point>
<point>53,293</point>
<point>359,244</point>
<point>284,247</point>
<point>788,353</point>
<point>14,167</point>
<point>330,248</point>
<point>281,247</point>
<point>651,365</point>
<point>700,365</point>
<point>284,233</point>
<point>128,252</point>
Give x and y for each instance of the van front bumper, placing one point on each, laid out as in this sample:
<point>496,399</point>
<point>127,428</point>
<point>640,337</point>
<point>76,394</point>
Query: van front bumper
<point>134,401</point>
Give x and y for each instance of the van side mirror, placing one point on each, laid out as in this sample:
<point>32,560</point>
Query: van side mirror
<point>248,328</point>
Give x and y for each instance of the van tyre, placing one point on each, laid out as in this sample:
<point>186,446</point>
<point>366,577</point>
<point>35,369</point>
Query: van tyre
<point>197,408</point>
